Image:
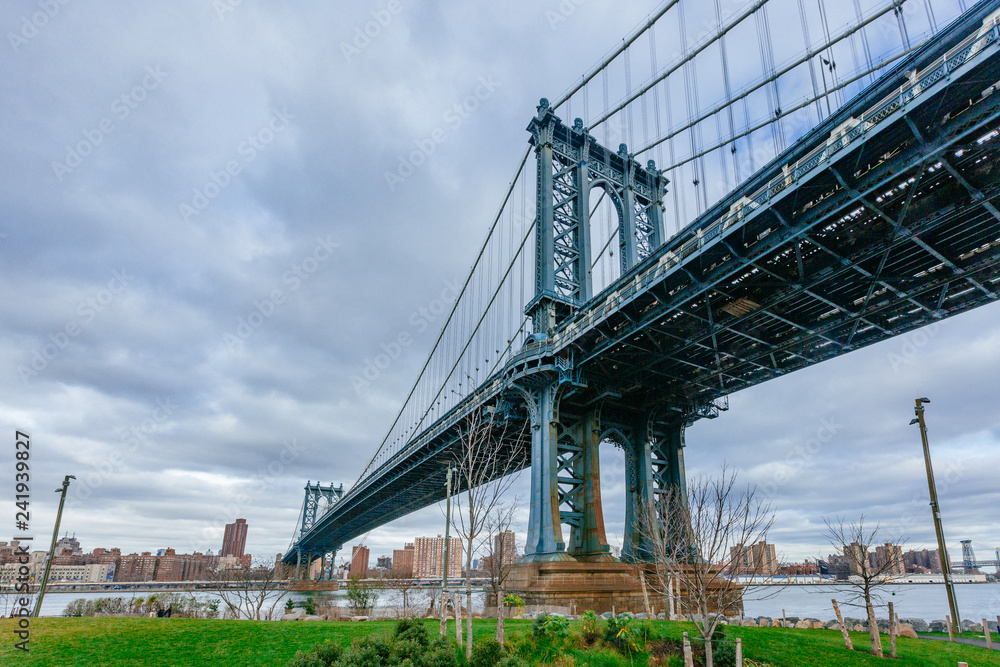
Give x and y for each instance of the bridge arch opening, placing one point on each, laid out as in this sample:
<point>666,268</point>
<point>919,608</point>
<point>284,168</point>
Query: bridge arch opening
<point>605,217</point>
<point>614,488</point>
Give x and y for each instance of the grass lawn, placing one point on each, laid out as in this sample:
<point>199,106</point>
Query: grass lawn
<point>177,642</point>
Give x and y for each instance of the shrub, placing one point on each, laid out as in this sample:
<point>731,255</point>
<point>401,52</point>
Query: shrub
<point>553,628</point>
<point>486,653</point>
<point>329,652</point>
<point>412,629</point>
<point>305,659</point>
<point>591,627</point>
<point>622,634</point>
<point>443,652</point>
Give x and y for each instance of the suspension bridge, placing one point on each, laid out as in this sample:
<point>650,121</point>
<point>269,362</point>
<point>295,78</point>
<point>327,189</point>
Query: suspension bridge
<point>832,191</point>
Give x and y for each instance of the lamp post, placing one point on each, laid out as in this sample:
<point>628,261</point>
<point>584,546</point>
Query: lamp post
<point>444,569</point>
<point>936,511</point>
<point>52,548</point>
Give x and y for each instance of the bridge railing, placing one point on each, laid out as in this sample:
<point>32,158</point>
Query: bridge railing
<point>870,119</point>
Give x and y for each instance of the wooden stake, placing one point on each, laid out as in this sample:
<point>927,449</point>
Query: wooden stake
<point>989,638</point>
<point>843,628</point>
<point>784,623</point>
<point>688,658</point>
<point>892,631</point>
<point>739,652</point>
<point>645,595</point>
<point>951,632</point>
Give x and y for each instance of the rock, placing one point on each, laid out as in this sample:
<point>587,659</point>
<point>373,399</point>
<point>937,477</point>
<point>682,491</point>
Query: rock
<point>918,624</point>
<point>906,630</point>
<point>359,619</point>
<point>939,626</point>
<point>313,618</point>
<point>832,625</point>
<point>776,623</point>
<point>748,623</point>
<point>793,620</point>
<point>803,625</point>
<point>641,614</point>
<point>606,615</point>
<point>858,628</point>
<point>818,625</point>
<point>294,616</point>
<point>763,621</point>
<point>661,616</point>
<point>975,627</point>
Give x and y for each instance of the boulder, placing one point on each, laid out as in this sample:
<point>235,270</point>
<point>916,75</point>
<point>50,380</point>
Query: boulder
<point>975,627</point>
<point>832,625</point>
<point>359,619</point>
<point>818,625</point>
<point>858,628</point>
<point>642,614</point>
<point>314,618</point>
<point>606,615</point>
<point>294,616</point>
<point>661,616</point>
<point>803,625</point>
<point>938,626</point>
<point>763,621</point>
<point>748,623</point>
<point>906,630</point>
<point>918,624</point>
<point>776,623</point>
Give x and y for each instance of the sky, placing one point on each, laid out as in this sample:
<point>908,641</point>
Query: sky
<point>200,246</point>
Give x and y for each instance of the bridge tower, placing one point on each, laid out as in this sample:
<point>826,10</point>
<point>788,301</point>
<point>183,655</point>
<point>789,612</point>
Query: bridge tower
<point>315,494</point>
<point>565,471</point>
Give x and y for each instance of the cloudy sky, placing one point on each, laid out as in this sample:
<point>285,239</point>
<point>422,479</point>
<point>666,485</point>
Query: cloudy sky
<point>199,247</point>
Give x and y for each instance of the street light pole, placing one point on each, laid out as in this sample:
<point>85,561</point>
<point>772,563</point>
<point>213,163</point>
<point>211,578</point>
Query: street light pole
<point>936,511</point>
<point>444,570</point>
<point>52,548</point>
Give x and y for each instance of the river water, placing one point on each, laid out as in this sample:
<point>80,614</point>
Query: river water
<point>926,601</point>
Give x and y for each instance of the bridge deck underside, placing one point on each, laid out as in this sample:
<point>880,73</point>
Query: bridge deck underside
<point>890,234</point>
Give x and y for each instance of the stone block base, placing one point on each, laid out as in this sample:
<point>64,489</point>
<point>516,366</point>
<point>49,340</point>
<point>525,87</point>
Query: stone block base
<point>573,587</point>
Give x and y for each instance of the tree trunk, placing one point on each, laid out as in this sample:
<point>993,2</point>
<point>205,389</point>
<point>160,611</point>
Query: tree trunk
<point>458,618</point>
<point>843,628</point>
<point>873,628</point>
<point>468,621</point>
<point>444,611</point>
<point>500,616</point>
<point>708,653</point>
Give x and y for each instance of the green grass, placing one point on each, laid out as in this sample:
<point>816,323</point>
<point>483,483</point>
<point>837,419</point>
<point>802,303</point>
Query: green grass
<point>177,642</point>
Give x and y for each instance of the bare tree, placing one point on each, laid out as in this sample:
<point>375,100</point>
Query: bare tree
<point>697,540</point>
<point>500,553</point>
<point>484,461</point>
<point>363,594</point>
<point>869,572</point>
<point>403,583</point>
<point>251,593</point>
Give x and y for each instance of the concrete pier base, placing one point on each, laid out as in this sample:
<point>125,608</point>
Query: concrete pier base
<point>573,587</point>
